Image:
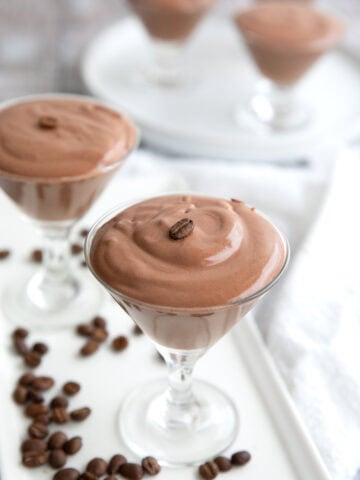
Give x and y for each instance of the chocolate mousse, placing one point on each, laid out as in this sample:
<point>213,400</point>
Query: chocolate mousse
<point>57,154</point>
<point>170,19</point>
<point>286,38</point>
<point>184,266</point>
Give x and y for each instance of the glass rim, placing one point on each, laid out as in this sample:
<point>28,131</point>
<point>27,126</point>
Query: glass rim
<point>167,308</point>
<point>70,96</point>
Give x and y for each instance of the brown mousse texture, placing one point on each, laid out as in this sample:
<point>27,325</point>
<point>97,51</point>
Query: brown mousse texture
<point>222,251</point>
<point>286,38</point>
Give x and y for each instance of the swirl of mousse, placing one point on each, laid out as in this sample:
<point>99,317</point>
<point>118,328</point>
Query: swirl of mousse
<point>57,138</point>
<point>231,252</point>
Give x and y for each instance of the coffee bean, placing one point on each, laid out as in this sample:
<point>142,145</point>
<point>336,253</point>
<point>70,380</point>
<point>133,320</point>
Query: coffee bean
<point>36,409</point>
<point>20,346</point>
<point>83,264</point>
<point>208,470</point>
<point>57,440</point>
<point>26,379</point>
<point>111,477</point>
<point>240,458</point>
<point>44,419</point>
<point>4,253</point>
<point>76,248</point>
<point>115,463</point>
<point>47,122</point>
<point>99,335</point>
<point>133,471</point>
<point>150,466</point>
<point>99,322</point>
<point>20,395</point>
<point>37,256</point>
<point>20,333</point>
<point>57,458</point>
<point>119,343</point>
<point>38,430</point>
<point>88,476</point>
<point>34,396</point>
<point>137,330</point>
<point>60,415</point>
<point>85,330</point>
<point>67,474</point>
<point>41,348</point>
<point>59,401</point>
<point>80,414</point>
<point>73,445</point>
<point>32,359</point>
<point>223,463</point>
<point>34,459</point>
<point>181,229</point>
<point>71,388</point>
<point>84,232</point>
<point>43,383</point>
<point>98,466</point>
<point>89,348</point>
<point>33,445</point>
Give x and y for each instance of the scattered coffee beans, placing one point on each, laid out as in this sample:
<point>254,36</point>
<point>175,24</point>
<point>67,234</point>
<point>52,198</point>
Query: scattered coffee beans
<point>85,330</point>
<point>84,232</point>
<point>132,471</point>
<point>60,415</point>
<point>88,476</point>
<point>57,458</point>
<point>223,463</point>
<point>4,253</point>
<point>34,459</point>
<point>20,333</point>
<point>36,409</point>
<point>20,395</point>
<point>99,335</point>
<point>71,388</point>
<point>42,383</point>
<point>98,466</point>
<point>72,446</point>
<point>208,470</point>
<point>34,396</point>
<point>41,348</point>
<point>240,458</point>
<point>76,248</point>
<point>119,343</point>
<point>45,419</point>
<point>80,414</point>
<point>99,322</point>
<point>37,256</point>
<point>67,474</point>
<point>150,466</point>
<point>115,463</point>
<point>38,430</point>
<point>26,379</point>
<point>59,401</point>
<point>89,348</point>
<point>137,330</point>
<point>57,440</point>
<point>33,445</point>
<point>32,359</point>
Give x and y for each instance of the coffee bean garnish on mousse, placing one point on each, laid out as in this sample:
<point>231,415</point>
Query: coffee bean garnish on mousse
<point>181,229</point>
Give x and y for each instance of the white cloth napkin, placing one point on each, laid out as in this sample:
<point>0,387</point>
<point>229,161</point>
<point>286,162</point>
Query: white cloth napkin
<point>311,322</point>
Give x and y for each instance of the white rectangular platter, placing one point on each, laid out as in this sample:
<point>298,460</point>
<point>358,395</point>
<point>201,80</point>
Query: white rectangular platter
<point>270,427</point>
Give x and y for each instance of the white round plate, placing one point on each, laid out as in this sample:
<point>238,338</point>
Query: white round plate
<point>198,118</point>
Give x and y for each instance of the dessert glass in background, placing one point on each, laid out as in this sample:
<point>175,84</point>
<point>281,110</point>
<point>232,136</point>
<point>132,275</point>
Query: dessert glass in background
<point>285,39</point>
<point>57,154</point>
<point>169,25</point>
<point>186,285</point>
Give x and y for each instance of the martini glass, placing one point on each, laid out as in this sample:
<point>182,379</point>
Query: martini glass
<point>54,295</point>
<point>178,420</point>
<point>169,25</point>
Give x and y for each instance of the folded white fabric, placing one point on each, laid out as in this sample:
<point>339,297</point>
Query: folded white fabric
<point>314,327</point>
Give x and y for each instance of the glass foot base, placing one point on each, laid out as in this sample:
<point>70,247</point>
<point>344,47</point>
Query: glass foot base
<point>19,308</point>
<point>212,430</point>
<point>261,113</point>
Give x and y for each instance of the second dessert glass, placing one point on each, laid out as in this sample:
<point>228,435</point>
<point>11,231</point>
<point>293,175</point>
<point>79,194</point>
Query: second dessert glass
<point>169,24</point>
<point>179,421</point>
<point>285,39</point>
<point>54,296</point>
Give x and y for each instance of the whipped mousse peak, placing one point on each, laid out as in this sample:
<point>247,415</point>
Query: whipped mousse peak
<point>225,251</point>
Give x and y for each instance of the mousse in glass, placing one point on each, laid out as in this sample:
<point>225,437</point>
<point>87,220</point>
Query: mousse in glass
<point>169,24</point>
<point>57,154</point>
<point>285,39</point>
<point>185,268</point>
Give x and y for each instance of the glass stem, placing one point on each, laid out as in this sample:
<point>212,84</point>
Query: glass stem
<point>182,408</point>
<point>53,286</point>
